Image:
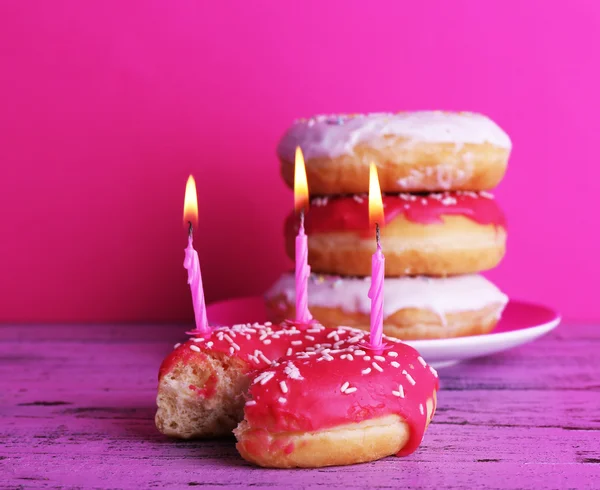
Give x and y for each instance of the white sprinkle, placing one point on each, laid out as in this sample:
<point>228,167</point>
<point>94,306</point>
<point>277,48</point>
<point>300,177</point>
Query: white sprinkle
<point>422,361</point>
<point>310,349</point>
<point>264,375</point>
<point>345,386</point>
<point>366,371</point>
<point>409,377</point>
<point>195,348</point>
<point>331,334</point>
<point>343,356</point>
<point>210,344</point>
<point>367,358</point>
<point>283,386</point>
<point>395,364</point>
<point>268,324</point>
<point>309,337</point>
<point>350,357</point>
<point>289,352</point>
<point>264,358</point>
<point>377,366</point>
<point>292,371</point>
<point>228,338</point>
<point>198,339</point>
<point>421,409</point>
<point>176,345</point>
<point>401,390</point>
<point>359,352</point>
<point>296,342</point>
<point>392,354</point>
<point>267,341</point>
<point>263,337</point>
<point>358,199</point>
<point>379,358</point>
<point>313,330</point>
<point>433,371</point>
<point>267,378</point>
<point>231,351</point>
<point>350,390</point>
<point>248,336</point>
<point>249,403</point>
<point>282,400</point>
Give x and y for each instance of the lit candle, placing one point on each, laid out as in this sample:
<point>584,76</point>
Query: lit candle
<point>192,262</point>
<point>376,218</point>
<point>303,316</point>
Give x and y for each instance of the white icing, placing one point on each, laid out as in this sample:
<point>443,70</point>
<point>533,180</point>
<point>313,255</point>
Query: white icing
<point>440,295</point>
<point>336,135</point>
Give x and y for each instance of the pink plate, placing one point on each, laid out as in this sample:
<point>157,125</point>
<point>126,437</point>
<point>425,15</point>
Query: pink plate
<point>521,323</point>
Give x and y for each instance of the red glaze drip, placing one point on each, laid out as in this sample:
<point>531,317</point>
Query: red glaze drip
<point>310,364</point>
<point>350,213</point>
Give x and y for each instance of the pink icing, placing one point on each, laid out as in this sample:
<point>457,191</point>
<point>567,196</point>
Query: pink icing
<point>315,364</point>
<point>351,212</point>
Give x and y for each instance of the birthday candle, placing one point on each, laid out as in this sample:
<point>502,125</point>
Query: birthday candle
<point>302,268</point>
<point>191,261</point>
<point>376,218</point>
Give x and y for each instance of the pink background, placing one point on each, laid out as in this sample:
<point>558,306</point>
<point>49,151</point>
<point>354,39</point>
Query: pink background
<point>106,108</point>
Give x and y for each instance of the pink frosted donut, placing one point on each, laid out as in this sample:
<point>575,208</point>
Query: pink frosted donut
<point>303,397</point>
<point>413,151</point>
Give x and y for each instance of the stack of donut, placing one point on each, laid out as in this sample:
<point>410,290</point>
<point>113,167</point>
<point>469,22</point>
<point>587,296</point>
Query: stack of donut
<point>442,226</point>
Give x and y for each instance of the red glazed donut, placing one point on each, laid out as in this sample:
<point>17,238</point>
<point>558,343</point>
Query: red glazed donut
<point>327,401</point>
<point>436,234</point>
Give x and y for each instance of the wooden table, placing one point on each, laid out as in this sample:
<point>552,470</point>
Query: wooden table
<point>77,406</point>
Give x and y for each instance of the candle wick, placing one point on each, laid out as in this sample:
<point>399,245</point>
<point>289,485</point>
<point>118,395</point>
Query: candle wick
<point>377,234</point>
<point>302,218</point>
<point>190,229</point>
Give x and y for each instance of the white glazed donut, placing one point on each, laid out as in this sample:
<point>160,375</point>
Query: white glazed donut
<point>414,307</point>
<point>413,151</point>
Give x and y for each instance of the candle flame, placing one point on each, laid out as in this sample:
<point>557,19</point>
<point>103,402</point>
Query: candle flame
<point>300,184</point>
<point>190,202</point>
<point>375,202</point>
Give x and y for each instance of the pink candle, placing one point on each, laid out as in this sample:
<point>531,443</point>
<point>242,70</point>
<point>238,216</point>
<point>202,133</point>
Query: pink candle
<point>376,217</point>
<point>302,275</point>
<point>191,261</point>
<point>192,264</point>
<point>302,267</point>
<point>376,294</point>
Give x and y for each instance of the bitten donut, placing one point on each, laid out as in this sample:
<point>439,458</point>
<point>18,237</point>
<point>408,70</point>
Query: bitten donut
<point>437,234</point>
<point>414,307</point>
<point>271,379</point>
<point>413,151</point>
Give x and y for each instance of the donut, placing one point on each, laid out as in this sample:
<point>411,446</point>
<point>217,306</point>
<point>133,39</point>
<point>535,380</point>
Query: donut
<point>338,406</point>
<point>414,152</point>
<point>437,234</point>
<point>414,307</point>
<point>300,397</point>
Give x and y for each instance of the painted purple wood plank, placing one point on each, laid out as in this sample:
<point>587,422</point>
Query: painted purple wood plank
<point>77,407</point>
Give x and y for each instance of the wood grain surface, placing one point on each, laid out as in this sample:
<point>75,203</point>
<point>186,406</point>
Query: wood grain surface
<point>77,405</point>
